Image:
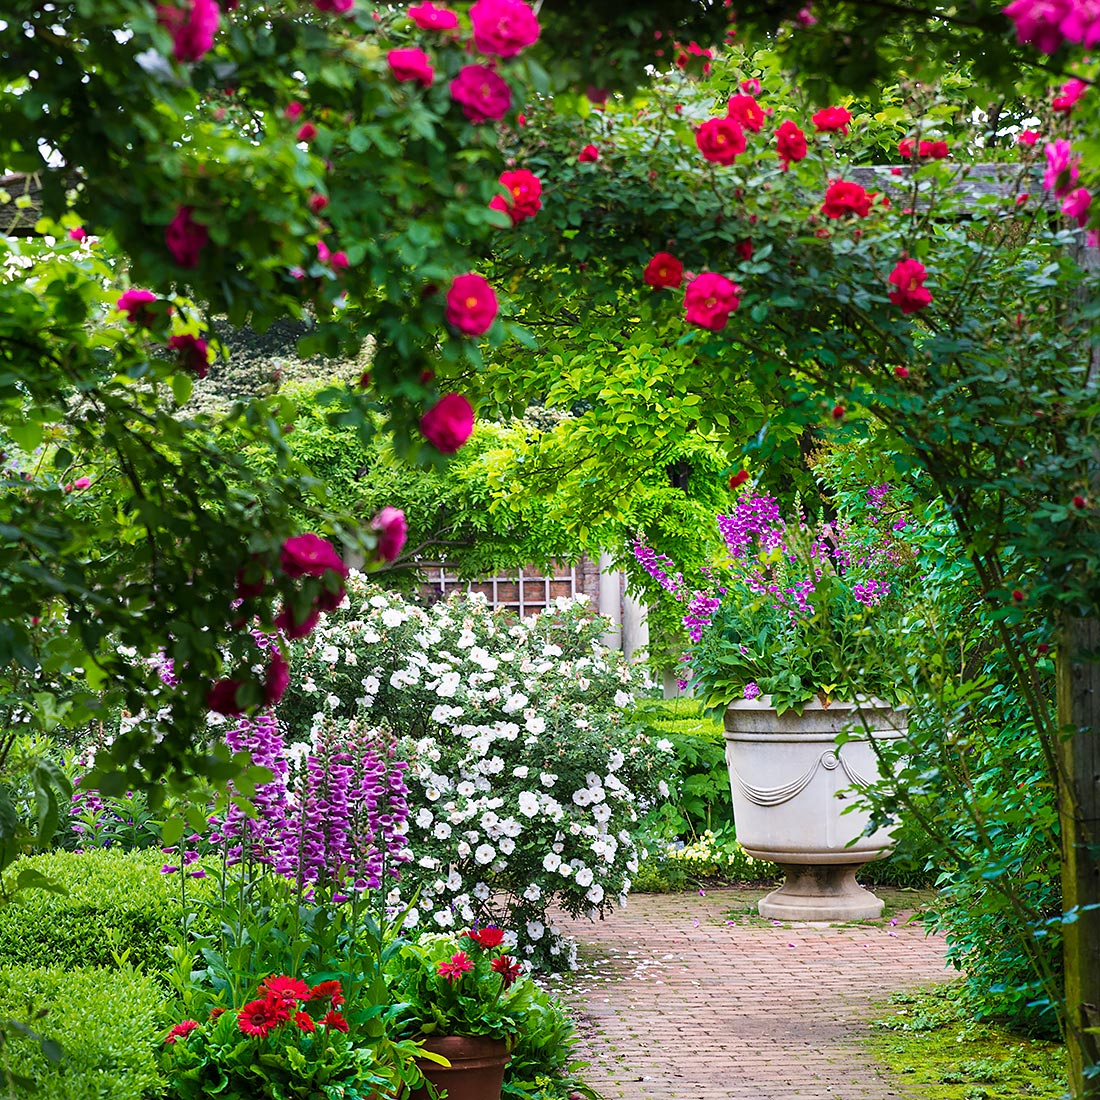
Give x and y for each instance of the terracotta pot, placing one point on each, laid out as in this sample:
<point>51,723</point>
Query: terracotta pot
<point>476,1071</point>
<point>791,785</point>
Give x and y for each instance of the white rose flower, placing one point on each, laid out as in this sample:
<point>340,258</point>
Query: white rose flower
<point>490,821</point>
<point>442,831</point>
<point>454,881</point>
<point>595,893</point>
<point>412,918</point>
<point>533,892</point>
<point>444,918</point>
<point>506,845</point>
<point>623,699</point>
<point>662,789</point>
<point>535,929</point>
<point>481,892</point>
<point>392,617</point>
<point>528,804</point>
<point>371,685</point>
<point>548,779</point>
<point>378,600</point>
<point>585,877</point>
<point>551,861</point>
<point>431,794</point>
<point>424,817</point>
<point>582,797</point>
<point>511,827</point>
<point>521,772</point>
<point>463,850</point>
<point>602,813</point>
<point>330,654</point>
<point>664,745</point>
<point>466,789</point>
<point>565,870</point>
<point>536,724</point>
<point>485,853</point>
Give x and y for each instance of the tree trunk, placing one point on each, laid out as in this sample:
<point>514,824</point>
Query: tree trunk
<point>1079,802</point>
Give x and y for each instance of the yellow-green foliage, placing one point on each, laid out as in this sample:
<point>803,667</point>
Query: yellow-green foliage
<point>108,1024</point>
<point>116,902</point>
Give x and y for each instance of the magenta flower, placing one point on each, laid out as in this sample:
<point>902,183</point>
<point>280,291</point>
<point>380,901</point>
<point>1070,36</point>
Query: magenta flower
<point>192,27</point>
<point>186,238</point>
<point>481,93</point>
<point>503,27</point>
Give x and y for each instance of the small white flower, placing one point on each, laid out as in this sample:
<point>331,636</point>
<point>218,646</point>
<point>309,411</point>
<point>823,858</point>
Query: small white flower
<point>551,861</point>
<point>485,853</point>
<point>463,850</point>
<point>533,892</point>
<point>623,699</point>
<point>392,617</point>
<point>602,813</point>
<point>412,918</point>
<point>424,817</point>
<point>330,654</point>
<point>528,804</point>
<point>454,881</point>
<point>442,831</point>
<point>481,892</point>
<point>565,870</point>
<point>444,918</point>
<point>664,745</point>
<point>521,771</point>
<point>585,876</point>
<point>511,827</point>
<point>506,845</point>
<point>431,794</point>
<point>536,724</point>
<point>595,894</point>
<point>535,929</point>
<point>582,797</point>
<point>515,703</point>
<point>662,789</point>
<point>548,779</point>
<point>466,789</point>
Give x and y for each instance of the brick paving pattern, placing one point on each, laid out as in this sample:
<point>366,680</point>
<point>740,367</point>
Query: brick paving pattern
<point>683,1004</point>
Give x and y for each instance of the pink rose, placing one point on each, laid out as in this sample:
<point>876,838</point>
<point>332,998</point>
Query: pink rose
<point>306,132</point>
<point>909,293</point>
<point>1039,22</point>
<point>471,304</point>
<point>709,300</point>
<point>194,354</point>
<point>222,698</point>
<point>482,93</point>
<point>192,27</point>
<point>134,303</point>
<point>1072,91</point>
<point>503,27</point>
<point>588,155</point>
<point>751,86</point>
<point>334,5</point>
<point>720,140</point>
<point>1061,173</point>
<point>186,238</point>
<point>1076,205</point>
<point>77,234</point>
<point>392,532</point>
<point>309,555</point>
<point>430,18</point>
<point>1028,137</point>
<point>411,65</point>
<point>276,679</point>
<point>294,628</point>
<point>448,423</point>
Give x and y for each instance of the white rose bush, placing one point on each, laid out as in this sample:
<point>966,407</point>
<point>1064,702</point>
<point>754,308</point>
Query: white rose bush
<point>526,776</point>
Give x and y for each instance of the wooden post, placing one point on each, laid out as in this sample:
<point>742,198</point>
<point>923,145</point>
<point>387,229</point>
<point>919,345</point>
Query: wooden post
<point>1079,803</point>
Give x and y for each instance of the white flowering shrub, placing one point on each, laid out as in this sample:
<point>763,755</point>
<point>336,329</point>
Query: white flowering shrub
<point>526,777</point>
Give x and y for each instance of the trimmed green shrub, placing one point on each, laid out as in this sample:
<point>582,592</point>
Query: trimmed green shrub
<point>118,903</point>
<point>108,1024</point>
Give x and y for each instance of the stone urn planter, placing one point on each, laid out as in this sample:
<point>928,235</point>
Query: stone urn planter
<point>791,784</point>
<point>476,1071</point>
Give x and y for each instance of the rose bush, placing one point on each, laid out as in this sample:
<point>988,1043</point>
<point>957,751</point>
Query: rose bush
<point>525,776</point>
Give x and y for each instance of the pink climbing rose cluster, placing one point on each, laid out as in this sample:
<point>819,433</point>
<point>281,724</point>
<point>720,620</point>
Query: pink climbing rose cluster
<point>192,26</point>
<point>1049,24</point>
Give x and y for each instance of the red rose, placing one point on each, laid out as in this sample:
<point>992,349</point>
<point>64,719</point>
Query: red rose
<point>448,423</point>
<point>709,300</point>
<point>720,140</point>
<point>832,120</point>
<point>588,155</point>
<point>933,150</point>
<point>293,110</point>
<point>317,203</point>
<point>306,132</point>
<point>309,555</point>
<point>664,270</point>
<point>276,679</point>
<point>1080,501</point>
<point>524,198</point>
<point>738,479</point>
<point>1017,595</point>
<point>482,93</point>
<point>471,304</point>
<point>751,86</point>
<point>838,412</point>
<point>194,354</point>
<point>503,27</point>
<point>905,148</point>
<point>790,143</point>
<point>409,65</point>
<point>908,277</point>
<point>901,372</point>
<point>222,698</point>
<point>392,531</point>
<point>186,238</point>
<point>430,18</point>
<point>744,249</point>
<point>846,198</point>
<point>745,110</point>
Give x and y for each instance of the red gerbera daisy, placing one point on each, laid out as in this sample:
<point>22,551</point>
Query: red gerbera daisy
<point>259,1017</point>
<point>287,990</point>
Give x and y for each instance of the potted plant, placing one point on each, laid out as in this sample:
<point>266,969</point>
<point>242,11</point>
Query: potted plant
<point>464,997</point>
<point>800,636</point>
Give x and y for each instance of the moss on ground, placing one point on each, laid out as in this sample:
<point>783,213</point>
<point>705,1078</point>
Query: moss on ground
<point>936,1050</point>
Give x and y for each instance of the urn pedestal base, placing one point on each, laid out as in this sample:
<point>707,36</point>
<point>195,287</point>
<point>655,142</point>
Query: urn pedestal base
<point>828,893</point>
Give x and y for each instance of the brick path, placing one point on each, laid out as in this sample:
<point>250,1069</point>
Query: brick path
<point>680,1004</point>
